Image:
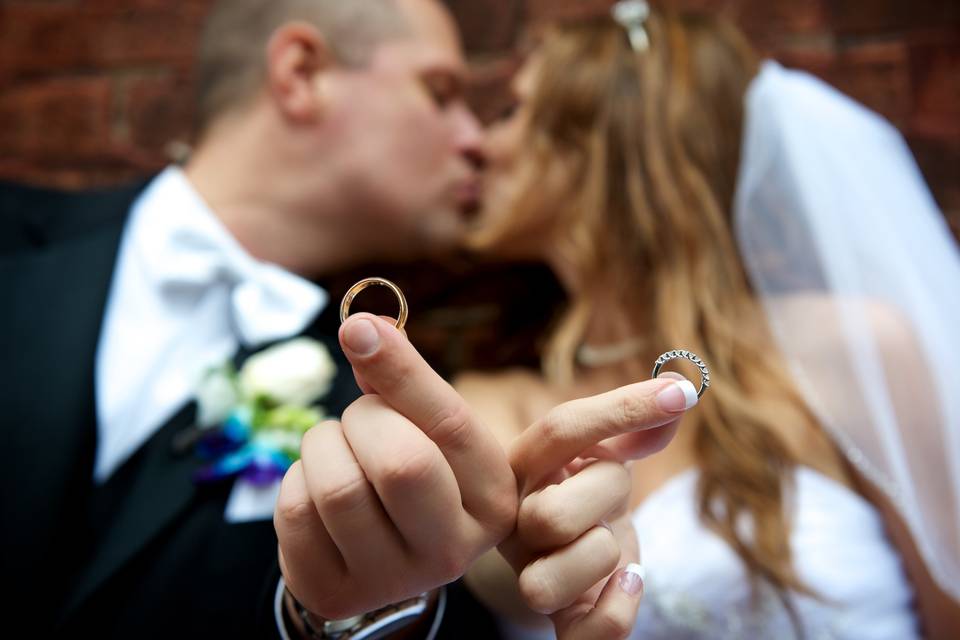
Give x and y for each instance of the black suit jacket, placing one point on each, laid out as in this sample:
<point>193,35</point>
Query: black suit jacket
<point>148,554</point>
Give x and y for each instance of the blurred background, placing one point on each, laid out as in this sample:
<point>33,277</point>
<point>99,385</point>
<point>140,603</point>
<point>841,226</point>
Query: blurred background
<point>95,92</point>
<point>99,92</point>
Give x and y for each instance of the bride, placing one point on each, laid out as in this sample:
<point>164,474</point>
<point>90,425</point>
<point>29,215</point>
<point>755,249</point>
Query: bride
<point>690,196</point>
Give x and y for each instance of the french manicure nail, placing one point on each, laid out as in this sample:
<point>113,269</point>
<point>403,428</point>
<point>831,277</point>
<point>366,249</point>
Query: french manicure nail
<point>631,580</point>
<point>677,397</point>
<point>361,337</point>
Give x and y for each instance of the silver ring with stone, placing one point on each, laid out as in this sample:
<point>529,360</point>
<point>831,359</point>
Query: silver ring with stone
<point>688,355</point>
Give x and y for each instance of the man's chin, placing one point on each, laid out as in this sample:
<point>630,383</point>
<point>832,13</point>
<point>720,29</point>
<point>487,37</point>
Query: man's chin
<point>470,210</point>
<point>444,238</point>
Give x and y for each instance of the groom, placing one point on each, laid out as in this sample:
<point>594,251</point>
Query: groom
<point>332,134</point>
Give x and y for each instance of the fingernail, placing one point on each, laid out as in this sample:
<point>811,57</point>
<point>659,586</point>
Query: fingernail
<point>631,580</point>
<point>361,337</point>
<point>677,396</point>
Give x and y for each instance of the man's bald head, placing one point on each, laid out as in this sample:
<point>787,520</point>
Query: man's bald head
<point>232,61</point>
<point>429,17</point>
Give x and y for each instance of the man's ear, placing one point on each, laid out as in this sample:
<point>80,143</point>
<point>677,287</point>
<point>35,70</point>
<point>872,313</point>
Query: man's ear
<point>297,54</point>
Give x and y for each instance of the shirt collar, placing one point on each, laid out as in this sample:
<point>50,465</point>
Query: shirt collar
<point>185,250</point>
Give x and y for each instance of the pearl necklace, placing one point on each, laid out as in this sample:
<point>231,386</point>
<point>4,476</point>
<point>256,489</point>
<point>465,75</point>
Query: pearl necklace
<point>593,356</point>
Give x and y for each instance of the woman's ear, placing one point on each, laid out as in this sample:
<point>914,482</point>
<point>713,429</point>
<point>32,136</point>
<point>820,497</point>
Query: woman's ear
<point>297,56</point>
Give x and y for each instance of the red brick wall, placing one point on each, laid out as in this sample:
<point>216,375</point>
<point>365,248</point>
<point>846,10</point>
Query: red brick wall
<point>97,91</point>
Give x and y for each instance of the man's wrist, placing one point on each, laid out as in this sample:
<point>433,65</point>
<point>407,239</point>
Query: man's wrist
<point>413,619</point>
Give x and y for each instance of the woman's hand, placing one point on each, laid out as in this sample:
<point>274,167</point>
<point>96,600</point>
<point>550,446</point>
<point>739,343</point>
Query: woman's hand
<point>570,537</point>
<point>574,548</point>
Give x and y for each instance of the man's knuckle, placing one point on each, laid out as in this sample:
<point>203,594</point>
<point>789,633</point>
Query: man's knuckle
<point>313,433</point>
<point>361,407</point>
<point>348,494</point>
<point>293,513</point>
<point>449,427</point>
<point>391,372</point>
<point>410,469</point>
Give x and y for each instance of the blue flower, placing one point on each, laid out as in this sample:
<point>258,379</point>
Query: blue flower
<point>260,437</point>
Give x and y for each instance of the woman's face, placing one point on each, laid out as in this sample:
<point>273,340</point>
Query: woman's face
<point>509,172</point>
<point>504,138</point>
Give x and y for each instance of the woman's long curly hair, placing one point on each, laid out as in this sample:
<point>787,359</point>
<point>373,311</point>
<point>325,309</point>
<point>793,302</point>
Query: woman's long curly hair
<point>631,158</point>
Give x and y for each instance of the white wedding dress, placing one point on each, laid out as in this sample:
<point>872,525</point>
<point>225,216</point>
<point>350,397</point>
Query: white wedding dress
<point>696,586</point>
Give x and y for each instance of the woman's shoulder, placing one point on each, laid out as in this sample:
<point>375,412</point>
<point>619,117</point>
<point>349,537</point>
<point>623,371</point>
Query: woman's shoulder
<point>827,337</point>
<point>889,326</point>
<point>815,340</point>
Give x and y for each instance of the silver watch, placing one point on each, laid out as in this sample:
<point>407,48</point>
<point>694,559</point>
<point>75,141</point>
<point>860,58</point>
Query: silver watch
<point>373,625</point>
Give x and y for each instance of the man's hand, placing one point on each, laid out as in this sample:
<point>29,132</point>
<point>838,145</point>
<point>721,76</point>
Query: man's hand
<point>397,498</point>
<point>573,528</point>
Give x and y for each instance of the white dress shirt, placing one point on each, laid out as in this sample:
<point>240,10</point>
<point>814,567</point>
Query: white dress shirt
<point>185,295</point>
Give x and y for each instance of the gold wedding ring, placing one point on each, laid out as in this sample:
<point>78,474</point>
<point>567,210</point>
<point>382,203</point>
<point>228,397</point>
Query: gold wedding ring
<point>369,282</point>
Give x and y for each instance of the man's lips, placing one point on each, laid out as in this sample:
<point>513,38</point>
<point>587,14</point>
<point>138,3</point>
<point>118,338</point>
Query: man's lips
<point>469,195</point>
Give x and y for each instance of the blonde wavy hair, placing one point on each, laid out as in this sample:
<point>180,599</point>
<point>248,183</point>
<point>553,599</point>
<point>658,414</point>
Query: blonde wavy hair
<point>630,160</point>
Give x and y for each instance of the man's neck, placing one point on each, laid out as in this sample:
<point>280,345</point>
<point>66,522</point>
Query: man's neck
<point>249,178</point>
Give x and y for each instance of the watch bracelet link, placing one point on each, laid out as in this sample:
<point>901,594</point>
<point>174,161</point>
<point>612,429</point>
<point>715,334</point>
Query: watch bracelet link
<point>373,625</point>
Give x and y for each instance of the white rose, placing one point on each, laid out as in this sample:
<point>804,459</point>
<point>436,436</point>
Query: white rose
<point>217,394</point>
<point>295,372</point>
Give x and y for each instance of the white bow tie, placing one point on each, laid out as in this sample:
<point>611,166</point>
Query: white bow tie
<point>267,302</point>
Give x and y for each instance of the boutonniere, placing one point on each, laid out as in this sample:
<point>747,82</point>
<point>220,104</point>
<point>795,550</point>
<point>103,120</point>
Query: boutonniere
<point>253,419</point>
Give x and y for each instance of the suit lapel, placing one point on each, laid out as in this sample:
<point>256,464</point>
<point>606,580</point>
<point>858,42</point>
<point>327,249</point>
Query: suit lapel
<point>141,499</point>
<point>152,489</point>
<point>48,341</point>
<point>59,282</point>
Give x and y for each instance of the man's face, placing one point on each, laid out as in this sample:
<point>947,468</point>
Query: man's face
<point>408,147</point>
